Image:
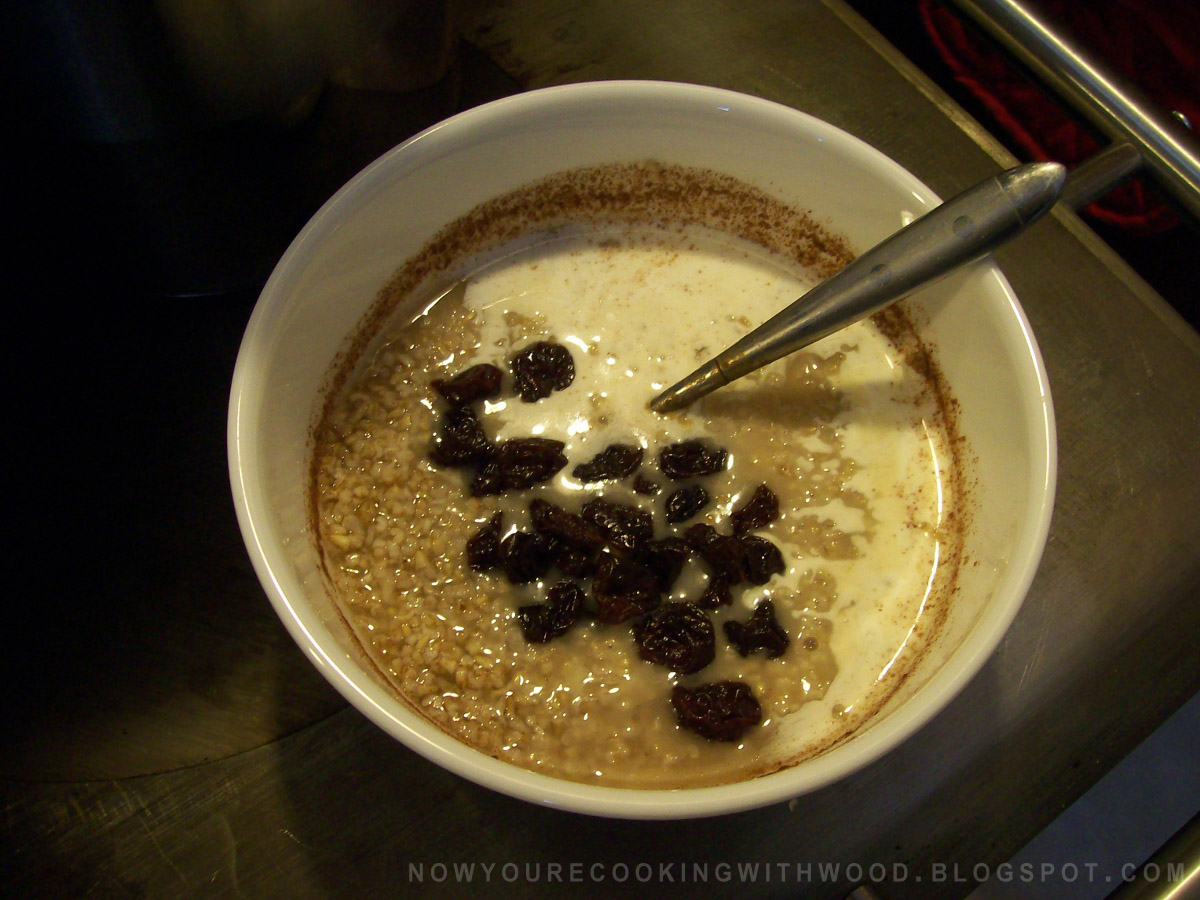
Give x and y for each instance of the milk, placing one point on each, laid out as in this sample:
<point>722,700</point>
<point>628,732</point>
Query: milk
<point>845,433</point>
<point>641,311</point>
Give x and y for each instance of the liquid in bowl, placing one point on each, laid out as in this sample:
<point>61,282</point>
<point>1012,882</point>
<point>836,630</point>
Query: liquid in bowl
<point>856,436</point>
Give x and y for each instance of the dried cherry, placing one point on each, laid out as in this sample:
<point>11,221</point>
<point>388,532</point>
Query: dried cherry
<point>623,525</point>
<point>689,459</point>
<point>677,635</point>
<point>760,559</point>
<point>686,502</point>
<point>622,589</point>
<point>614,461</point>
<point>760,510</point>
<point>476,383</point>
<point>721,711</point>
<point>483,547</point>
<point>542,368</point>
<point>461,440</point>
<point>541,622</point>
<point>527,557</point>
<point>761,631</point>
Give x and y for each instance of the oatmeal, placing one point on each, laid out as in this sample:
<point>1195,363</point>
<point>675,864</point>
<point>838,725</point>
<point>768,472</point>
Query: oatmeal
<point>847,440</point>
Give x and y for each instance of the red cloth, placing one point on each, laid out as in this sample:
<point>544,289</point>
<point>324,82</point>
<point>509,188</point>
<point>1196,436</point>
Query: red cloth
<point>1154,43</point>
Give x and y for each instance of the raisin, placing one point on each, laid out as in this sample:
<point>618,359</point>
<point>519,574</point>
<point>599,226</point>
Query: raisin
<point>527,557</point>
<point>488,480</point>
<point>760,559</point>
<point>760,510</point>
<point>576,562</point>
<point>483,547</point>
<point>573,529</point>
<point>461,441</point>
<point>665,558</point>
<point>614,461</point>
<point>716,593</point>
<point>688,459</point>
<point>735,559</point>
<point>625,526</point>
<point>724,554</point>
<point>644,485</point>
<point>721,711</point>
<point>622,589</point>
<point>677,635</point>
<point>542,368</point>
<point>541,622</point>
<point>686,502</point>
<point>519,464</point>
<point>475,383</point>
<point>700,536</point>
<point>760,632</point>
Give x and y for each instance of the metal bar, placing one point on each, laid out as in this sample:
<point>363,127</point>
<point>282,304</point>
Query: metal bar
<point>1173,873</point>
<point>1099,174</point>
<point>1107,100</point>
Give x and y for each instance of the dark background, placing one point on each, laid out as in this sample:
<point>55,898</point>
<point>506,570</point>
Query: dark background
<point>1167,261</point>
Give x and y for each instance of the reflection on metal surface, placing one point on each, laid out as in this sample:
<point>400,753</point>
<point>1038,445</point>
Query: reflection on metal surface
<point>1099,174</point>
<point>1113,105</point>
<point>1173,873</point>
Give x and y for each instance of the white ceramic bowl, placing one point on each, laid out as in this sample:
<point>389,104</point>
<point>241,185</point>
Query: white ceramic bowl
<point>333,271</point>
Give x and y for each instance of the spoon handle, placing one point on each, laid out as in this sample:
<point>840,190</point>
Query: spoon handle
<point>959,231</point>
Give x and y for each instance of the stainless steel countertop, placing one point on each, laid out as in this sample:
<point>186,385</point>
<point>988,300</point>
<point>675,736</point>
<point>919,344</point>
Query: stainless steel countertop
<point>190,750</point>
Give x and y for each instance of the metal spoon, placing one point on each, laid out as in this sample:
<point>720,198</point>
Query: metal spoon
<point>959,231</point>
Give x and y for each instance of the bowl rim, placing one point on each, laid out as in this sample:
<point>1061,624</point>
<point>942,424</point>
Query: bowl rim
<point>391,714</point>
